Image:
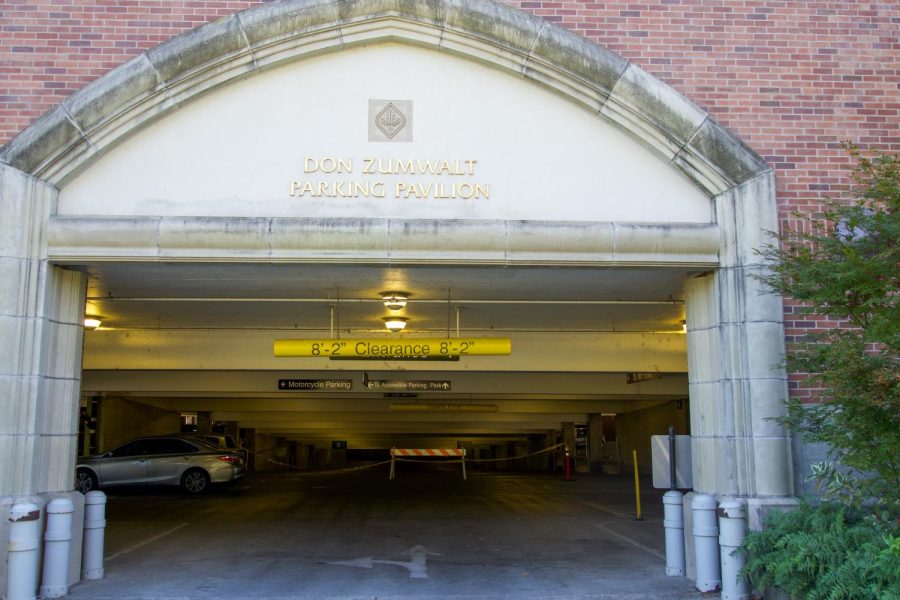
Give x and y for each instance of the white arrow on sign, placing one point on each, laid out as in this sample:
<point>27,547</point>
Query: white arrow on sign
<point>416,566</point>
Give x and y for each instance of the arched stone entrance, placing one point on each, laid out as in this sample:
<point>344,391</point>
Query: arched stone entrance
<point>735,337</point>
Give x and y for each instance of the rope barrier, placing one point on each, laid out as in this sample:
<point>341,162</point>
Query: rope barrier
<point>551,448</point>
<point>319,472</point>
<point>398,459</point>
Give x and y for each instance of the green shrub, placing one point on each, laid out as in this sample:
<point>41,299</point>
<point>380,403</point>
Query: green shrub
<point>844,265</point>
<point>825,552</point>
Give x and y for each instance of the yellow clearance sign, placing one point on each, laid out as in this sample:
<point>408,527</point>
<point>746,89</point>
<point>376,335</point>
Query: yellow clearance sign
<point>361,348</point>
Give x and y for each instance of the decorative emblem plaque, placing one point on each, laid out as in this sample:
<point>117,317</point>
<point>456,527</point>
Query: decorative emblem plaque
<point>390,120</point>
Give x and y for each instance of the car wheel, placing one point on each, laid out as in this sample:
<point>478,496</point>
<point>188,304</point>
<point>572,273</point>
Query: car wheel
<point>85,481</point>
<point>195,481</point>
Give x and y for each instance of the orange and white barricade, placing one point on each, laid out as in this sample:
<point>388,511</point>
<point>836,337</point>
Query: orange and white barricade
<point>415,453</point>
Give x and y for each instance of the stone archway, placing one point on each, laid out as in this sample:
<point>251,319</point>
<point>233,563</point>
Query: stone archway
<point>67,139</point>
<point>735,335</point>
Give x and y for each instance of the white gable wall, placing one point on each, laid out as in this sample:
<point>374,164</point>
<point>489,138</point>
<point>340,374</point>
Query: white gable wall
<point>236,152</point>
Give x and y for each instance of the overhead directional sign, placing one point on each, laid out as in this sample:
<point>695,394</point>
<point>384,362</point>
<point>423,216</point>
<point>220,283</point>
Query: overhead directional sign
<point>407,347</point>
<point>642,376</point>
<point>315,385</point>
<point>435,407</point>
<point>402,384</point>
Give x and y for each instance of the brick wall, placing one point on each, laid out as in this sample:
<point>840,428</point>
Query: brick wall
<point>791,78</point>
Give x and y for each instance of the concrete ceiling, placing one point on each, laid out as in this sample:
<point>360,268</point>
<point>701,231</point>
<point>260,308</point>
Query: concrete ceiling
<point>551,303</point>
<point>300,297</point>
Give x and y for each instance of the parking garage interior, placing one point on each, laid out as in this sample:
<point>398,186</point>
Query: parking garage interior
<point>598,362</point>
<point>597,365</point>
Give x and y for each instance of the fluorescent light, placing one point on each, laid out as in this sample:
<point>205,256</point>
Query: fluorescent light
<point>394,300</point>
<point>92,322</point>
<point>395,324</point>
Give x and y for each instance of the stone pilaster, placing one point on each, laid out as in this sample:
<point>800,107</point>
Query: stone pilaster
<point>41,327</point>
<point>735,354</point>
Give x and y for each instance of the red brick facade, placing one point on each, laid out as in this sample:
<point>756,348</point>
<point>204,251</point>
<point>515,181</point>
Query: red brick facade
<point>791,78</point>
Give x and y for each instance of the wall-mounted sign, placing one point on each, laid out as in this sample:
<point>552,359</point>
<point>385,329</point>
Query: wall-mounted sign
<point>642,376</point>
<point>436,407</point>
<point>410,347</point>
<point>400,384</point>
<point>315,385</point>
<point>408,178</point>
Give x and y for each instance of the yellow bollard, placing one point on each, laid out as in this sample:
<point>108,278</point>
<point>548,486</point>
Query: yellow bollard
<point>637,488</point>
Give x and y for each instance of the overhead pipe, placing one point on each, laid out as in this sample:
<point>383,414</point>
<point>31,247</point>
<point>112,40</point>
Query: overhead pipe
<point>378,301</point>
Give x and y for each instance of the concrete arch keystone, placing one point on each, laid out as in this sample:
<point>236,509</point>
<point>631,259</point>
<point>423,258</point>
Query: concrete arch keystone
<point>67,139</point>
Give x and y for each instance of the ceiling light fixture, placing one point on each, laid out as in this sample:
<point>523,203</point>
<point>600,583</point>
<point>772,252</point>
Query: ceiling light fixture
<point>395,324</point>
<point>684,327</point>
<point>92,322</point>
<point>394,300</point>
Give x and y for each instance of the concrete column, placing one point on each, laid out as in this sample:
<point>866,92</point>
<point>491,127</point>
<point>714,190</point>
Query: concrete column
<point>249,441</point>
<point>502,453</point>
<point>735,349</point>
<point>568,430</point>
<point>204,421</point>
<point>264,452</point>
<point>307,454</point>
<point>338,458</point>
<point>41,328</point>
<point>549,460</point>
<point>595,434</point>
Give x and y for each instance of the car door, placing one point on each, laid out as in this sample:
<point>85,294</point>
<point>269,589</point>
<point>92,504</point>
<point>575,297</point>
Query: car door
<point>126,464</point>
<point>171,457</point>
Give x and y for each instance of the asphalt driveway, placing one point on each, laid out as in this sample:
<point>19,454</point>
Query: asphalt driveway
<point>426,535</point>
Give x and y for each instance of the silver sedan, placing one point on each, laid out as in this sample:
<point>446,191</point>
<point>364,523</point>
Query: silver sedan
<point>160,460</point>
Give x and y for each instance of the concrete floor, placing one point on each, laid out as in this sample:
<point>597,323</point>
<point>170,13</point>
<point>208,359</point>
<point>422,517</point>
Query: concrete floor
<point>426,535</point>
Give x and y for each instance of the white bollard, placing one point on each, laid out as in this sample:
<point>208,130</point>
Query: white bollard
<point>57,543</point>
<point>732,531</point>
<point>94,529</point>
<point>706,542</point>
<point>673,521</point>
<point>24,543</point>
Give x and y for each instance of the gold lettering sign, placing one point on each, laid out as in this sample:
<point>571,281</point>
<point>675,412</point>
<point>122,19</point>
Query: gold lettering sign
<point>412,179</point>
